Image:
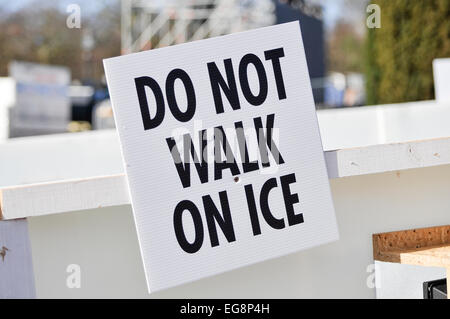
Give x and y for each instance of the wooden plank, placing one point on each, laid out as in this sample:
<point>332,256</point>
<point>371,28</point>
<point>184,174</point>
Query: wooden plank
<point>16,267</point>
<point>431,256</point>
<point>388,157</point>
<point>1,201</point>
<point>413,246</point>
<point>66,196</point>
<point>428,247</point>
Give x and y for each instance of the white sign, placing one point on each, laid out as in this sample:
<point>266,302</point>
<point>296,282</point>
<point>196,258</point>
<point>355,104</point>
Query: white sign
<point>222,152</point>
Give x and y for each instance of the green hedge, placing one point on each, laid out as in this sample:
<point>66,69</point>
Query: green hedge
<point>400,53</point>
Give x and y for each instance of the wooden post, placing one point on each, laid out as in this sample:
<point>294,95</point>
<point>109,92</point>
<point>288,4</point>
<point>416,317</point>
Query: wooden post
<point>422,247</point>
<point>16,268</point>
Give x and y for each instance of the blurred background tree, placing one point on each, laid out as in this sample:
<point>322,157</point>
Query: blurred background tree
<point>344,45</point>
<point>400,53</point>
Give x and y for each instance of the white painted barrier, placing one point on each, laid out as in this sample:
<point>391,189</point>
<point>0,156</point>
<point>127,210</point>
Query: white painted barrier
<point>388,167</point>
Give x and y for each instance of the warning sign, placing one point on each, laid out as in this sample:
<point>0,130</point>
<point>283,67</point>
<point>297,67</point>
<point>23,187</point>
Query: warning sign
<point>222,151</point>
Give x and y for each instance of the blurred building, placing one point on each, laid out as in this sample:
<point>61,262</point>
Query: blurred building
<point>37,100</point>
<point>153,24</point>
<point>311,23</point>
